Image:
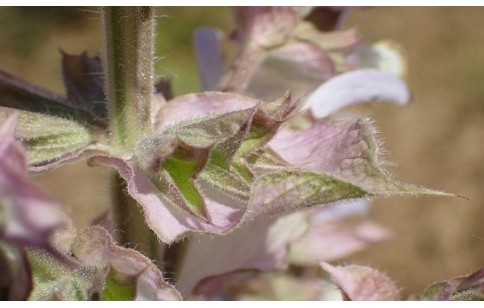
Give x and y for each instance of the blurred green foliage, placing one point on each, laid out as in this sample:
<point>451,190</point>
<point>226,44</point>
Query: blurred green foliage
<point>24,29</point>
<point>175,29</point>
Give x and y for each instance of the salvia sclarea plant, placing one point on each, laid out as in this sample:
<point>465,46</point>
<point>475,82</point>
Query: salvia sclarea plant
<point>245,190</point>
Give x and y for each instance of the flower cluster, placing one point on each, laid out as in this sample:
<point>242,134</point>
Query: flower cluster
<point>256,175</point>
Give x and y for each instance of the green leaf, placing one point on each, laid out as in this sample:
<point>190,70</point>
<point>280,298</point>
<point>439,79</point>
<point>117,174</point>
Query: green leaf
<point>346,149</point>
<point>95,267</point>
<point>183,173</point>
<point>227,180</point>
<point>117,290</point>
<point>56,280</point>
<point>278,192</point>
<point>48,139</point>
<point>200,149</point>
<point>216,147</point>
<point>265,161</point>
<point>220,170</point>
<point>209,151</point>
<point>208,131</point>
<point>265,124</point>
<point>123,273</point>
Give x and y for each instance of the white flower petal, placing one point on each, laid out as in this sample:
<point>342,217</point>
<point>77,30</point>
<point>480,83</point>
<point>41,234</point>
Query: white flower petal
<point>357,87</point>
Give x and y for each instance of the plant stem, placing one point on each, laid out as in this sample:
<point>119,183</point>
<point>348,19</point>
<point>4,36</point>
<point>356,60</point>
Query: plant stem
<point>131,230</point>
<point>128,64</point>
<point>173,258</point>
<point>238,77</point>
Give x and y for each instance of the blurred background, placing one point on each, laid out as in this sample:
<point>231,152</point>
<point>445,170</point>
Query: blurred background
<point>438,141</point>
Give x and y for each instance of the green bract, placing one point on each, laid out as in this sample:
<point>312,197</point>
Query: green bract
<point>48,139</point>
<point>94,267</point>
<point>230,160</point>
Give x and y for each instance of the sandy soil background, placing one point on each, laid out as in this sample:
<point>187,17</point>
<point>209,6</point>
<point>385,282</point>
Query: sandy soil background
<point>438,141</point>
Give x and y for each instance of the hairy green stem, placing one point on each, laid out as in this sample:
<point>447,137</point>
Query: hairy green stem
<point>128,64</point>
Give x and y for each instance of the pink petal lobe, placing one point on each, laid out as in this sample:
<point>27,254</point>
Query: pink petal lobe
<point>11,151</point>
<point>215,287</point>
<point>299,67</point>
<point>197,105</point>
<point>259,245</point>
<point>330,238</point>
<point>346,149</point>
<point>362,283</point>
<point>31,216</point>
<point>265,27</point>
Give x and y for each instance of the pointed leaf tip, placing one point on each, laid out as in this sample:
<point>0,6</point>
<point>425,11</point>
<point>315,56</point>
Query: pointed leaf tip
<point>83,81</point>
<point>20,95</point>
<point>346,149</point>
